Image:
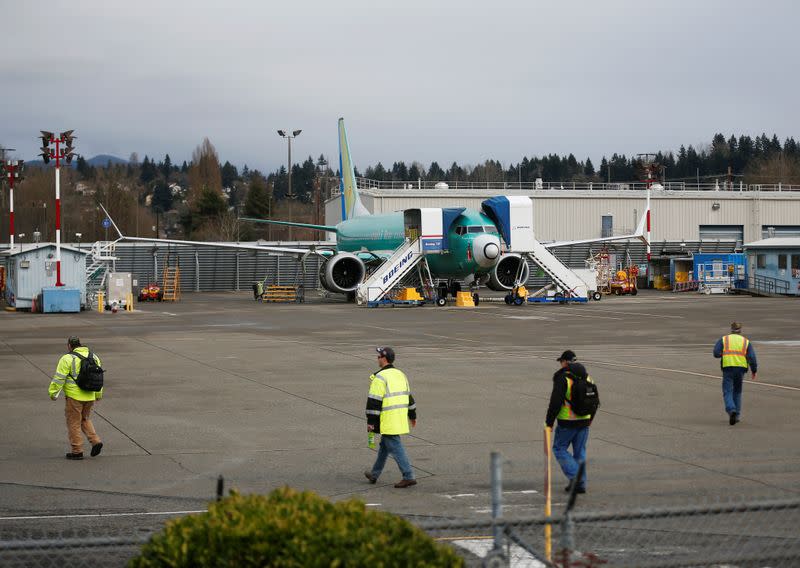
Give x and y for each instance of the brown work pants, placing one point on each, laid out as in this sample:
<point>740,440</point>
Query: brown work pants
<point>77,413</point>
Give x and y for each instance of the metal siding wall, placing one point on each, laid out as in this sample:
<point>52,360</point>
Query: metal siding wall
<point>217,266</point>
<point>566,215</point>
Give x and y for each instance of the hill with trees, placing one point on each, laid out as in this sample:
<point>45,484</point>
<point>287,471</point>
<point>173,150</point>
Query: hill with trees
<point>201,199</point>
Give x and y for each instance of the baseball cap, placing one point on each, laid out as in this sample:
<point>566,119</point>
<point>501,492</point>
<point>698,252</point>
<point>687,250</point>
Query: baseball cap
<point>387,352</point>
<point>567,355</point>
<point>73,340</point>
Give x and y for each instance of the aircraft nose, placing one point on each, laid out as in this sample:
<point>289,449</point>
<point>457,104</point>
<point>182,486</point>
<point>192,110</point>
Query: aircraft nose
<point>486,249</point>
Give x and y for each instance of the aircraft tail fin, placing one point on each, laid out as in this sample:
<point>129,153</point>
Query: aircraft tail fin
<point>351,201</point>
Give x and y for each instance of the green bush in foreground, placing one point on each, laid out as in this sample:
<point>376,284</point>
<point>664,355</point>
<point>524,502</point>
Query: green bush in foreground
<point>292,529</point>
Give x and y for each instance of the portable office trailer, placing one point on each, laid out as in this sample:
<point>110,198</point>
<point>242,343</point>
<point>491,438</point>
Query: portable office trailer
<point>775,265</point>
<point>29,269</point>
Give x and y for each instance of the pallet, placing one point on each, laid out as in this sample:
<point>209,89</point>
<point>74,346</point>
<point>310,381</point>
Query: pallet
<point>280,294</point>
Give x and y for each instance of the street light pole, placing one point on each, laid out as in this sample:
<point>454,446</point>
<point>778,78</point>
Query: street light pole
<point>66,154</point>
<point>290,195</point>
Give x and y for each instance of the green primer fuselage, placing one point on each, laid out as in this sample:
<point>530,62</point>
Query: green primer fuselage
<point>384,233</point>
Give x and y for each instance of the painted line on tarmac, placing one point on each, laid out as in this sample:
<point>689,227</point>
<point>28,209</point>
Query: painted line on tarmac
<point>96,515</point>
<point>634,313</point>
<point>681,371</point>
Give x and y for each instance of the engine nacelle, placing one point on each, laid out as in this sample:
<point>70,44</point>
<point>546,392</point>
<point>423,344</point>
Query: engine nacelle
<point>504,274</point>
<point>342,273</point>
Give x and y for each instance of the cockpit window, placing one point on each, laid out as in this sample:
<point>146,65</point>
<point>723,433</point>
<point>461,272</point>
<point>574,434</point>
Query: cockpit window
<point>490,229</point>
<point>475,229</point>
<point>461,230</point>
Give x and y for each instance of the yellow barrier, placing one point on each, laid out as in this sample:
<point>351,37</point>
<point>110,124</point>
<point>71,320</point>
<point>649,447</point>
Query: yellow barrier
<point>129,302</point>
<point>464,300</point>
<point>409,295</point>
<point>101,302</point>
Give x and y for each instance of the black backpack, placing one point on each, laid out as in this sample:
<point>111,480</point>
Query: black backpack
<point>90,376</point>
<point>584,397</point>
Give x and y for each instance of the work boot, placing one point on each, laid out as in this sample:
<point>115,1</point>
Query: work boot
<point>733,419</point>
<point>372,478</point>
<point>405,483</point>
<point>96,449</point>
<point>75,456</point>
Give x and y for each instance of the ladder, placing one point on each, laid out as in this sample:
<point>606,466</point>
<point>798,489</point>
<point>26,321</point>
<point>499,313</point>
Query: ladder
<point>565,280</point>
<point>171,286</point>
<point>390,272</point>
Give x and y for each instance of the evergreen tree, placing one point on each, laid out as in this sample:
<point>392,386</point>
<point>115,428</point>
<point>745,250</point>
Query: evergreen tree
<point>257,203</point>
<point>184,167</point>
<point>588,168</point>
<point>166,167</point>
<point>162,197</point>
<point>210,203</point>
<point>435,172</point>
<point>399,171</point>
<point>229,174</point>
<point>148,171</point>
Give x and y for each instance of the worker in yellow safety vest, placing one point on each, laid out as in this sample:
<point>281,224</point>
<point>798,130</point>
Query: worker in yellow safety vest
<point>737,354</point>
<point>390,408</point>
<point>78,402</point>
<point>572,429</point>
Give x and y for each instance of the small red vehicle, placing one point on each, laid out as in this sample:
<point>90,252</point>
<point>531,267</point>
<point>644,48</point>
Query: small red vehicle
<point>151,293</point>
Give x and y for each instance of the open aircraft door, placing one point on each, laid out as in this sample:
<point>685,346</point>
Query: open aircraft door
<point>431,226</point>
<point>513,215</point>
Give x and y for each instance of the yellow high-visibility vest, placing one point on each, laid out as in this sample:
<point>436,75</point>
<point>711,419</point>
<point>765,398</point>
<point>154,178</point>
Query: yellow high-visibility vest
<point>67,372</point>
<point>566,412</point>
<point>734,350</point>
<point>390,386</point>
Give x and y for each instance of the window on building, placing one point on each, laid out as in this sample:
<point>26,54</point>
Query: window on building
<point>782,261</point>
<point>761,261</point>
<point>796,262</point>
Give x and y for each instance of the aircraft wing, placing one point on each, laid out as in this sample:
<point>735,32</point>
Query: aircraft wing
<point>297,253</point>
<point>641,233</point>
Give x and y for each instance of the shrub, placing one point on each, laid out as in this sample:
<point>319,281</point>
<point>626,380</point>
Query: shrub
<point>288,528</point>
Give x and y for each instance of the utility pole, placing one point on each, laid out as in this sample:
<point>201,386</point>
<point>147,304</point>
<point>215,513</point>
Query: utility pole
<point>59,154</point>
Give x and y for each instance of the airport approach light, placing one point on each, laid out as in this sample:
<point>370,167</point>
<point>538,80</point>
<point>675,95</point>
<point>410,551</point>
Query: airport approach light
<point>67,153</point>
<point>13,172</point>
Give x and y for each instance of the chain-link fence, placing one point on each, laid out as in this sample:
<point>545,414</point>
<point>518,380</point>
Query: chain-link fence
<point>757,534</point>
<point>746,534</point>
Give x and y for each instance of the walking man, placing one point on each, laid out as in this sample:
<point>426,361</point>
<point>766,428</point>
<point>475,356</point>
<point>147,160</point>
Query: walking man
<point>390,407</point>
<point>737,354</point>
<point>78,402</point>
<point>572,429</point>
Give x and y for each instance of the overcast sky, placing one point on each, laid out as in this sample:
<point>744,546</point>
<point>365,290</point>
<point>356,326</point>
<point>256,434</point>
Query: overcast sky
<point>418,80</point>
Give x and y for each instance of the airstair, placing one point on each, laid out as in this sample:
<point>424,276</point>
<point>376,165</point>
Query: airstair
<point>565,280</point>
<point>99,263</point>
<point>513,216</point>
<point>375,287</point>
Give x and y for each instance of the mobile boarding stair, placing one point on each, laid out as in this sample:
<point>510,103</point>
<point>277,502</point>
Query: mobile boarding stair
<point>99,263</point>
<point>426,232</point>
<point>513,216</point>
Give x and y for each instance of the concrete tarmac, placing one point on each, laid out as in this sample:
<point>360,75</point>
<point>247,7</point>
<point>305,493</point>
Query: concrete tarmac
<point>274,394</point>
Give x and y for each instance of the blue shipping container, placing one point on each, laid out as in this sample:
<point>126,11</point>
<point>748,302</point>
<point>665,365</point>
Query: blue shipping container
<point>60,299</point>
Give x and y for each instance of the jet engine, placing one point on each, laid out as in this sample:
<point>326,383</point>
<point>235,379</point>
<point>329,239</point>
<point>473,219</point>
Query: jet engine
<point>342,273</point>
<point>504,274</point>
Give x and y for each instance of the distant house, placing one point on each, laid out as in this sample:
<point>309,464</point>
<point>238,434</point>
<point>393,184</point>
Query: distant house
<point>775,264</point>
